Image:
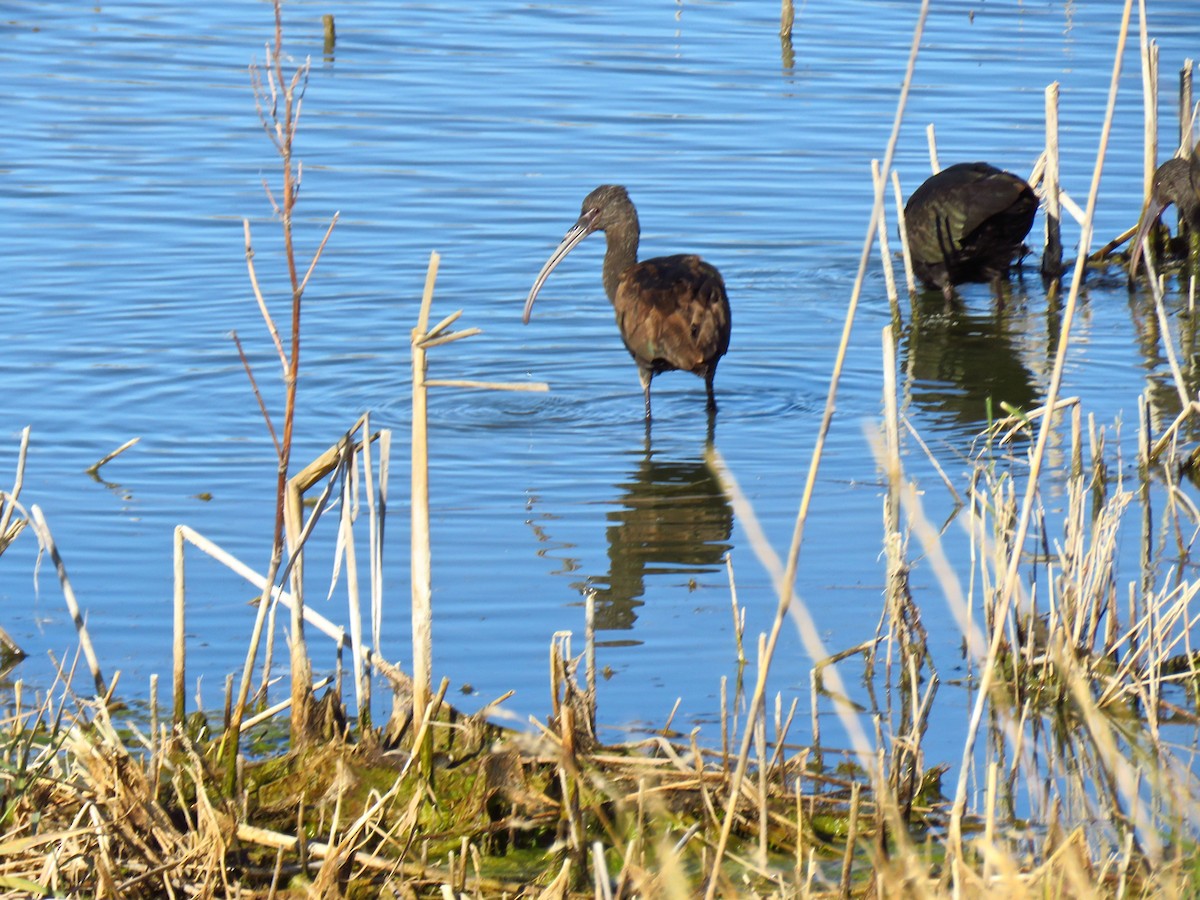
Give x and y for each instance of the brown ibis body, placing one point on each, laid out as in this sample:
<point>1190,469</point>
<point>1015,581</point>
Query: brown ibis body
<point>672,311</point>
<point>1175,181</point>
<point>968,223</point>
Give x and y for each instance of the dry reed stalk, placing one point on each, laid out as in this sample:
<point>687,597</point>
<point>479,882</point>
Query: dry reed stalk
<point>760,749</point>
<point>781,732</point>
<point>1009,582</point>
<point>784,585</point>
<point>179,631</point>
<point>885,255</point>
<point>385,455</point>
<point>739,615</point>
<point>8,501</point>
<point>1073,624</point>
<point>903,616</point>
<point>362,679</point>
<point>46,541</point>
<point>589,652</point>
<point>1186,111</point>
<point>725,725</point>
<point>897,570</point>
<point>94,468</point>
<point>278,594</point>
<point>1148,54</point>
<point>422,339</point>
<point>421,560</point>
<point>931,140</point>
<point>319,468</point>
<point>787,18</point>
<point>1052,253</point>
<point>1152,453</point>
<point>299,661</point>
<point>270,712</point>
<point>902,228</point>
<point>1164,326</point>
<point>851,841</point>
<point>374,541</point>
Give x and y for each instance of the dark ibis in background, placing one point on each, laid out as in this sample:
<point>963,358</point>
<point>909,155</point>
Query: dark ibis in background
<point>1175,181</point>
<point>672,311</point>
<point>968,223</point>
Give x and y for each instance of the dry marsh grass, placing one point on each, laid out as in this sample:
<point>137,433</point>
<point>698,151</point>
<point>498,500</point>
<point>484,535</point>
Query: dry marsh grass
<point>1077,774</point>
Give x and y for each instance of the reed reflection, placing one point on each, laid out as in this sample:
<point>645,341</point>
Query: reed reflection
<point>1165,394</point>
<point>672,522</point>
<point>954,361</point>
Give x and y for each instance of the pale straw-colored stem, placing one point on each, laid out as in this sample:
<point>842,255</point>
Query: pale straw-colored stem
<point>94,468</point>
<point>421,560</point>
<point>85,641</point>
<point>809,633</point>
<point>1148,54</point>
<point>885,254</point>
<point>901,226</point>
<point>1009,583</point>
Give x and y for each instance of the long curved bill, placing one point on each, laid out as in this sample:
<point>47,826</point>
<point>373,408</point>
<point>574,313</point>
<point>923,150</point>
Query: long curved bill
<point>1150,214</point>
<point>581,229</point>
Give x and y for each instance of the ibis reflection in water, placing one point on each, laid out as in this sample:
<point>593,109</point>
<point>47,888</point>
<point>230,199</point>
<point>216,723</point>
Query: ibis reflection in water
<point>953,364</point>
<point>672,520</point>
<point>1175,181</point>
<point>968,223</point>
<point>672,311</point>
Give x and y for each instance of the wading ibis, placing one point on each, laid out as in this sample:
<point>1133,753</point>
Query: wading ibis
<point>672,311</point>
<point>1175,181</point>
<point>967,223</point>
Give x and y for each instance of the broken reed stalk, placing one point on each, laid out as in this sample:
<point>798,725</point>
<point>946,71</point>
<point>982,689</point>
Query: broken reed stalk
<point>787,598</point>
<point>1008,585</point>
<point>902,227</point>
<point>1052,253</point>
<point>1148,54</point>
<point>94,468</point>
<point>787,18</point>
<point>1186,129</point>
<point>362,679</point>
<point>422,339</point>
<point>739,615</point>
<point>903,614</point>
<point>1164,325</point>
<point>885,254</point>
<point>589,650</point>
<point>931,140</point>
<point>46,539</point>
<point>893,544</point>
<point>377,513</point>
<point>421,562</point>
<point>325,464</point>
<point>9,501</point>
<point>179,633</point>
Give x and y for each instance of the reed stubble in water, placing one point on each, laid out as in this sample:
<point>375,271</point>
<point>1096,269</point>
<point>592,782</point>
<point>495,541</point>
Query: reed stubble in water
<point>655,806</point>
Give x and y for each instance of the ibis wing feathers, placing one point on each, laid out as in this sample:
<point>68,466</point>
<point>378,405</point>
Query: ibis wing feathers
<point>963,208</point>
<point>1007,197</point>
<point>967,222</point>
<point>673,313</point>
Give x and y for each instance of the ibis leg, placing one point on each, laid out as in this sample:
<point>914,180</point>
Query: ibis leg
<point>708,386</point>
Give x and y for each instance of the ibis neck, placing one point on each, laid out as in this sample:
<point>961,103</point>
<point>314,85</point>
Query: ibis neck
<point>621,254</point>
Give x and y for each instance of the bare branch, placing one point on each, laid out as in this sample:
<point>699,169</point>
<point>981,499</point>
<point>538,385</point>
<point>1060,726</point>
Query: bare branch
<point>257,394</point>
<point>262,304</point>
<point>317,255</point>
